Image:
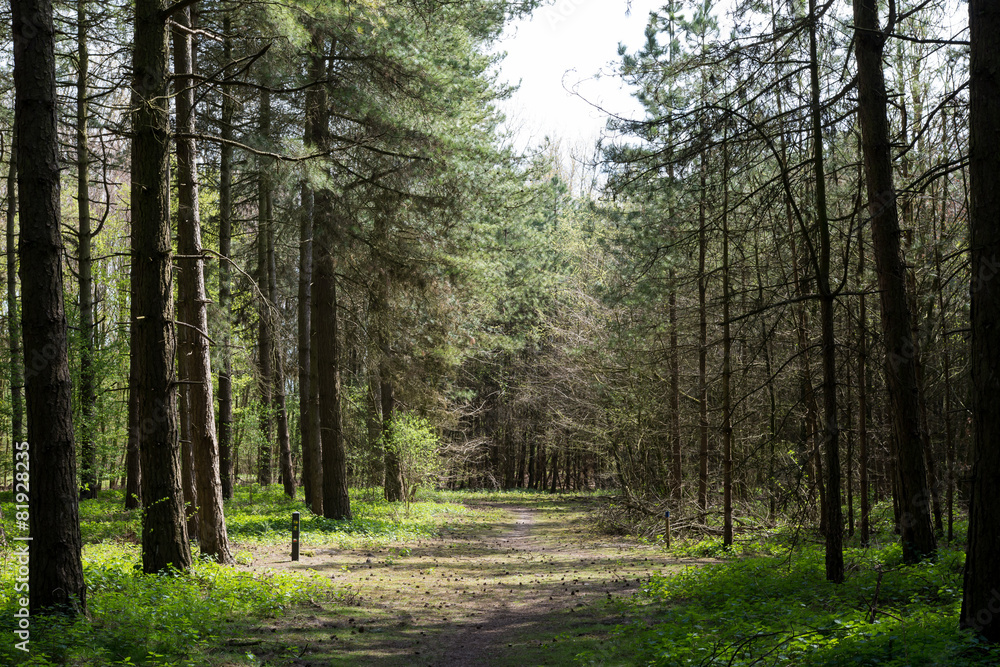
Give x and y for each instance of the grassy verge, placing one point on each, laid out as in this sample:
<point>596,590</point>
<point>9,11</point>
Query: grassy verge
<point>188,618</point>
<point>778,609</point>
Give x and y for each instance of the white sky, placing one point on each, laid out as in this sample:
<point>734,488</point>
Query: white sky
<point>565,46</point>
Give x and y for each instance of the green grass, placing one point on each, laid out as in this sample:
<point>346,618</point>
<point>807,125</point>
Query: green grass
<point>186,618</point>
<point>779,610</point>
<point>166,619</point>
<point>510,496</point>
<point>264,516</point>
<point>257,516</point>
<point>764,602</point>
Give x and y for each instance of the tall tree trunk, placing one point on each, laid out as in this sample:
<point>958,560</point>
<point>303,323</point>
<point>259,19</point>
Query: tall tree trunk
<point>831,430</point>
<point>326,343</point>
<point>703,341</point>
<point>164,532</point>
<point>312,451</point>
<point>280,410</point>
<point>727,343</point>
<point>306,434</point>
<point>811,458</point>
<point>380,306</point>
<point>772,422</point>
<point>88,451</point>
<point>315,423</point>
<point>188,483</point>
<point>808,439</point>
<point>863,459</point>
<point>949,435</point>
<point>13,307</point>
<point>675,397</point>
<point>225,275</point>
<point>555,470</point>
<point>522,457</point>
<point>265,345</point>
<point>55,576</point>
<point>309,464</point>
<point>916,531</point>
<point>982,563</point>
<point>373,415</point>
<point>393,472</point>
<point>849,482</point>
<point>196,362</point>
<point>532,464</point>
<point>908,213</point>
<point>336,501</point>
<point>677,467</point>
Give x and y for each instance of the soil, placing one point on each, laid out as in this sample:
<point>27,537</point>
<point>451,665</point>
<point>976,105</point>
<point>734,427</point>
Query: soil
<point>535,589</point>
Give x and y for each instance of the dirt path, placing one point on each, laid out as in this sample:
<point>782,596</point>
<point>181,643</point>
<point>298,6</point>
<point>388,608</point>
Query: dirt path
<point>534,591</point>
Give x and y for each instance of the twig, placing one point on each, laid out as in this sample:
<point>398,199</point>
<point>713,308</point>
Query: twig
<point>194,328</point>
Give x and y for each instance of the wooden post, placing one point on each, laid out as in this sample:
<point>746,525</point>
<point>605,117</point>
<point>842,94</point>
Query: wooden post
<point>666,528</point>
<point>295,536</point>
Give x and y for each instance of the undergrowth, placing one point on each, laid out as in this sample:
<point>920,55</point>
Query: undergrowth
<point>172,618</point>
<point>776,608</point>
<point>186,618</point>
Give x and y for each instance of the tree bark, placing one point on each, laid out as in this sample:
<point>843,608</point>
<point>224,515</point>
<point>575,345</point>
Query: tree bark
<point>862,379</point>
<point>265,345</point>
<point>831,431</point>
<point>727,343</point>
<point>309,424</point>
<point>88,451</point>
<point>946,366</point>
<point>280,410</point>
<point>336,501</point>
<point>555,470</point>
<point>393,486</point>
<point>703,342</point>
<point>188,483</point>
<point>13,307</point>
<point>393,472</point>
<point>916,531</point>
<point>675,398</point>
<point>315,424</point>
<point>373,415</point>
<point>309,462</point>
<point>196,361</point>
<point>225,275</point>
<point>55,569</point>
<point>982,563</point>
<point>164,533</point>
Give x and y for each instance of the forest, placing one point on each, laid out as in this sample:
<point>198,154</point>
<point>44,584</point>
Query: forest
<point>730,368</point>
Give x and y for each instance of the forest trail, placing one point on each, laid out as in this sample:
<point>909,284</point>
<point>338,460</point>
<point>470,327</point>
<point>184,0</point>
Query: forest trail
<point>533,588</point>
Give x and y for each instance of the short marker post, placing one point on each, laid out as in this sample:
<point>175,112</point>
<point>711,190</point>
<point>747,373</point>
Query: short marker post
<point>295,535</point>
<point>666,530</point>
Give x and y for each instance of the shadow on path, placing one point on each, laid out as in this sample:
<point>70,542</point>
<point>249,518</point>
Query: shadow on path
<point>537,594</point>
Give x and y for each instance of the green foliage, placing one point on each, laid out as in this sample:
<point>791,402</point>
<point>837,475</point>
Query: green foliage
<point>780,610</point>
<point>153,619</point>
<point>265,516</point>
<point>365,463</point>
<point>179,618</point>
<point>417,447</point>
